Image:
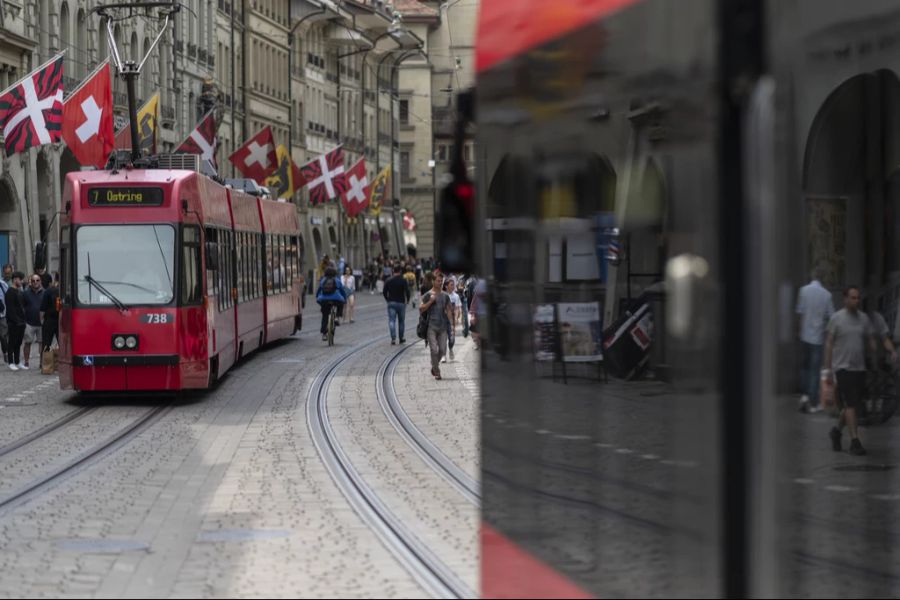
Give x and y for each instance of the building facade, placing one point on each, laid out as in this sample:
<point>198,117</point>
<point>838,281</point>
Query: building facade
<point>319,72</point>
<point>428,85</point>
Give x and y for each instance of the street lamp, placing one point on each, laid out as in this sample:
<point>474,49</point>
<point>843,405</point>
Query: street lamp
<point>321,9</point>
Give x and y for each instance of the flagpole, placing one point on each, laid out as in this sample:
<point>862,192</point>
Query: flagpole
<point>32,72</point>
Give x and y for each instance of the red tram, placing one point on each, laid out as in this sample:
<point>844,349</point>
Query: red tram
<point>168,278</point>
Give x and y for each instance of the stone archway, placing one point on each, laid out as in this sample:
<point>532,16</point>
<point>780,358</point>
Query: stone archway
<point>9,222</point>
<point>333,241</point>
<point>851,184</point>
<point>317,244</point>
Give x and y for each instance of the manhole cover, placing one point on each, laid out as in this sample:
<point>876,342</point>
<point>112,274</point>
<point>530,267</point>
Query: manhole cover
<point>102,545</point>
<point>241,535</point>
<point>864,468</point>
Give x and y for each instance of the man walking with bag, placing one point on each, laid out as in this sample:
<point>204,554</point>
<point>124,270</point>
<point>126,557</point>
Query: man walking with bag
<point>437,304</point>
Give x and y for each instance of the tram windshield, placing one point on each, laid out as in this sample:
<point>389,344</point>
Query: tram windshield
<point>134,264</point>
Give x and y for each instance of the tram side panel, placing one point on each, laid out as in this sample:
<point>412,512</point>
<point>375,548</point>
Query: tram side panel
<point>248,273</point>
<point>282,301</point>
<point>218,235</point>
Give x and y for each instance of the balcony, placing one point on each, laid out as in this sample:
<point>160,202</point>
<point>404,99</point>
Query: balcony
<point>179,45</point>
<point>201,54</point>
<point>192,50</point>
<point>211,61</point>
<point>168,112</point>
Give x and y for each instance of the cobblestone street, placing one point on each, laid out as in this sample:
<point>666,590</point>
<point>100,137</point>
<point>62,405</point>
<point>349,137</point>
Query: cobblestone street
<point>224,494</point>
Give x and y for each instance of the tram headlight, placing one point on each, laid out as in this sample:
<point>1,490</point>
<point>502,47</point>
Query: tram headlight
<point>131,342</point>
<point>119,342</point>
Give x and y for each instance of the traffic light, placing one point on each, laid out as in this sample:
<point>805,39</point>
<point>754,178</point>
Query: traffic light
<point>456,213</point>
<point>454,227</point>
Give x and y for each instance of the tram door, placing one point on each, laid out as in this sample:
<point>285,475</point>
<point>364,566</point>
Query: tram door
<point>609,389</point>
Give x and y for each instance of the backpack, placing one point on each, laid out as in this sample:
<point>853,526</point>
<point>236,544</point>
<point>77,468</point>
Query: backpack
<point>329,286</point>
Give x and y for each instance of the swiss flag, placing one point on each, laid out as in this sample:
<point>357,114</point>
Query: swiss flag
<point>356,197</point>
<point>87,119</point>
<point>202,140</point>
<point>256,159</point>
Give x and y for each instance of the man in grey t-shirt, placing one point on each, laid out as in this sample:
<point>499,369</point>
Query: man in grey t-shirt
<point>436,303</point>
<point>848,331</point>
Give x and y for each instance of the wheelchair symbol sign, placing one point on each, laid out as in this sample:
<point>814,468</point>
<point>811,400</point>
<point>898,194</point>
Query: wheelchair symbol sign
<point>88,361</point>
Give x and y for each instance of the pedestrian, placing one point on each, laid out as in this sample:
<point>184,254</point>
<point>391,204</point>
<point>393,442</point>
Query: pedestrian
<point>32,296</point>
<point>849,329</point>
<point>50,315</point>
<point>46,278</point>
<point>349,283</point>
<point>478,312</point>
<point>15,318</point>
<point>815,307</point>
<point>7,273</point>
<point>450,289</point>
<point>330,293</point>
<point>323,264</point>
<point>396,293</point>
<point>410,278</point>
<point>4,328</point>
<point>436,303</point>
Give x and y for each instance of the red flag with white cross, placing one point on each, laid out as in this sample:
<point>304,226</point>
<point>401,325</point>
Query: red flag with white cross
<point>202,140</point>
<point>31,110</point>
<point>325,176</point>
<point>356,197</point>
<point>256,159</point>
<point>87,125</point>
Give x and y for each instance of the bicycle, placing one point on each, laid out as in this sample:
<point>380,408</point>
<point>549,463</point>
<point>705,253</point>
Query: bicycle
<point>882,396</point>
<point>332,315</point>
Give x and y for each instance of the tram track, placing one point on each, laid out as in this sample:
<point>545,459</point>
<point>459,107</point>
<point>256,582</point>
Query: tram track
<point>413,436</point>
<point>83,460</point>
<point>424,566</point>
<point>47,429</point>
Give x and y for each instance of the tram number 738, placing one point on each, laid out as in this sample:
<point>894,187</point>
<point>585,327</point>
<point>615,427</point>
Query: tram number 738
<point>155,318</point>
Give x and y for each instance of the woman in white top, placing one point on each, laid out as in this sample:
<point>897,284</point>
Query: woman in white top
<point>349,283</point>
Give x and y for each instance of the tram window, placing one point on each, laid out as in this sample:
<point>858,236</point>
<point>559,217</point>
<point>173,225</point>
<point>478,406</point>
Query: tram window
<point>191,283</point>
<point>212,275</point>
<point>298,255</point>
<point>229,275</point>
<point>289,261</point>
<point>239,257</point>
<point>65,291</point>
<point>248,266</point>
<point>268,239</point>
<point>257,265</point>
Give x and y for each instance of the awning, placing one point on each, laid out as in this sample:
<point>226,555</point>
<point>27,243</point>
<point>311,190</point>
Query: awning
<point>507,28</point>
<point>342,35</point>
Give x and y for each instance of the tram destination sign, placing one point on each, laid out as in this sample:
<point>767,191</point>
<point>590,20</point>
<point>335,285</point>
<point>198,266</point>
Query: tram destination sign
<point>125,196</point>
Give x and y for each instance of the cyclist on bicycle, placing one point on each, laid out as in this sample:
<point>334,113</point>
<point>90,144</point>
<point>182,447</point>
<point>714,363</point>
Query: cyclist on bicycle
<point>330,293</point>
